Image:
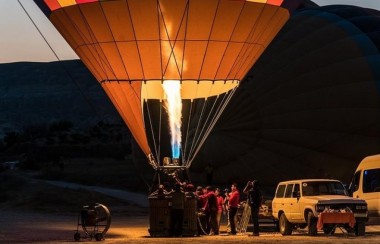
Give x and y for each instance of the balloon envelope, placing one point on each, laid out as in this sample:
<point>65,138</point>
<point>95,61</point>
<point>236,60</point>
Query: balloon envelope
<point>133,46</point>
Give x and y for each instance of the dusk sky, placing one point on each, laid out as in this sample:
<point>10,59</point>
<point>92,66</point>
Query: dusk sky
<point>21,41</point>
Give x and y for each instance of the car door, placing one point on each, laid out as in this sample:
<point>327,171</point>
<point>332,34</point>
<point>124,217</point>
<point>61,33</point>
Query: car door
<point>295,209</point>
<point>289,202</point>
<point>278,201</point>
<point>369,191</point>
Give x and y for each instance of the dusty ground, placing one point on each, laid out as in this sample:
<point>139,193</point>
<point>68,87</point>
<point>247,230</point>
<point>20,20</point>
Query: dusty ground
<point>28,214</point>
<point>29,227</point>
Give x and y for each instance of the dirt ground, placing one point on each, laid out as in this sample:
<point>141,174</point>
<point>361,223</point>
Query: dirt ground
<point>30,227</point>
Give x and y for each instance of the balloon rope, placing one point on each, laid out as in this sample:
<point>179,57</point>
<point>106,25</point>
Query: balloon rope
<point>159,137</point>
<point>208,42</point>
<point>94,53</point>
<point>203,129</point>
<point>183,148</point>
<point>216,117</point>
<point>228,44</point>
<point>104,63</point>
<point>239,66</point>
<point>116,46</point>
<point>137,43</point>
<point>63,66</point>
<point>152,130</point>
<point>158,152</point>
<point>196,135</point>
<point>196,139</point>
<point>247,41</point>
<point>184,153</point>
<point>172,45</point>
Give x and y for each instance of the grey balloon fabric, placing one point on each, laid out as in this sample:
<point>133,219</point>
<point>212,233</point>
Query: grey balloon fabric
<point>309,108</point>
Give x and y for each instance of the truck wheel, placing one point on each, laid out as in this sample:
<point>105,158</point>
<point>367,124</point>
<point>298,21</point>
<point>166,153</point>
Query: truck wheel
<point>360,228</point>
<point>285,226</point>
<point>311,224</point>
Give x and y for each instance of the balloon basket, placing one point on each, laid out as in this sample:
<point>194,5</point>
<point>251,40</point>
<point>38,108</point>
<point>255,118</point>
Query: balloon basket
<point>159,217</point>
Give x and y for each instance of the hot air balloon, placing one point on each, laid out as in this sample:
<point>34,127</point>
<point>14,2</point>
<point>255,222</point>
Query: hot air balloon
<point>169,67</point>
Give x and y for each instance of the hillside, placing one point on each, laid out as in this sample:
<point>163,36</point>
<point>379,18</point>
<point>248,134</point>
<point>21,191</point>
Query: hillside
<point>40,93</point>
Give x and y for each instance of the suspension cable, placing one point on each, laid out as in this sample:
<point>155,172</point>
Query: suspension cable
<point>212,124</point>
<point>197,128</point>
<point>61,63</point>
<point>152,129</point>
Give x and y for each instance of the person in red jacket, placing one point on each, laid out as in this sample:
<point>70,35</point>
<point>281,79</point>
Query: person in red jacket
<point>233,201</point>
<point>211,210</point>
<point>220,204</point>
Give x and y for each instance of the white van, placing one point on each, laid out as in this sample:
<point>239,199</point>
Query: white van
<point>365,184</point>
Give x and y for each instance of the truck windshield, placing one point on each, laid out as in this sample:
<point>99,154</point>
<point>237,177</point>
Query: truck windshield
<point>316,188</point>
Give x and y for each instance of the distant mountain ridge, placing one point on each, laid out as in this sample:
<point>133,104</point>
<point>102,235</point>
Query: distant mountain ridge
<point>35,93</point>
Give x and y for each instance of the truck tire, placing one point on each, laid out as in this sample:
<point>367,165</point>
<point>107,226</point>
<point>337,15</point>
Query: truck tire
<point>285,226</point>
<point>360,228</point>
<point>311,224</point>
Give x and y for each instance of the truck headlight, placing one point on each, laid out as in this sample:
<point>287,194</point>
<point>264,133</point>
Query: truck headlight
<point>361,207</point>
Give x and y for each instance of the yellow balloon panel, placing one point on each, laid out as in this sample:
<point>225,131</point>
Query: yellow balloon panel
<point>65,3</point>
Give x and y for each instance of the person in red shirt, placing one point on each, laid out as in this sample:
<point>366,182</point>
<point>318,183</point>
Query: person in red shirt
<point>233,201</point>
<point>220,203</point>
<point>211,210</point>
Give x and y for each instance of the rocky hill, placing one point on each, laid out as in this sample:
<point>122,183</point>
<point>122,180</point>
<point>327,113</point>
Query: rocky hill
<point>38,93</point>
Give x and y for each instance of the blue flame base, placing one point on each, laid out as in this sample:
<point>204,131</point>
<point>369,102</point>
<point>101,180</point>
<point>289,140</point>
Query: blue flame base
<point>176,151</point>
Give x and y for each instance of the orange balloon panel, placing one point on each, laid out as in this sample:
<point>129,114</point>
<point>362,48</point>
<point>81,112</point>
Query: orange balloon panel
<point>130,110</point>
<point>183,40</point>
<point>132,46</point>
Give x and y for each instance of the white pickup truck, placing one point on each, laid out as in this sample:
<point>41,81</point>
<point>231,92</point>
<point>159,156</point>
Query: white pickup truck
<point>298,203</point>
